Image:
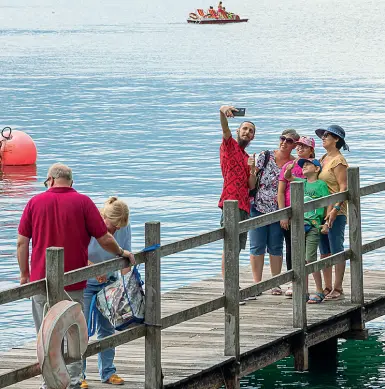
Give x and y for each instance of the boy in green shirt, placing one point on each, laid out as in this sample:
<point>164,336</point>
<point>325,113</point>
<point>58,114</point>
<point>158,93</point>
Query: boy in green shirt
<point>314,189</point>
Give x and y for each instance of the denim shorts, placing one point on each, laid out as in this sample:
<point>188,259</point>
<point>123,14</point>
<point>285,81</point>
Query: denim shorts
<point>333,242</point>
<point>270,237</point>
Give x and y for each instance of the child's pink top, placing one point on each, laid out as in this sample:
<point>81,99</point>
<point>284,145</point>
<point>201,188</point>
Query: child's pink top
<point>296,172</point>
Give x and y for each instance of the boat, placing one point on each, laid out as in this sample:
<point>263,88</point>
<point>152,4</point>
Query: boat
<point>214,17</point>
<point>216,21</point>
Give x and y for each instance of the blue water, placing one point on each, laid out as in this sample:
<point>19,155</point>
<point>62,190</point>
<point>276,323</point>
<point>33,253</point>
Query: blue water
<point>128,94</point>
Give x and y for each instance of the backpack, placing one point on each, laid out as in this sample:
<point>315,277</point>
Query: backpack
<point>253,192</point>
<point>121,303</point>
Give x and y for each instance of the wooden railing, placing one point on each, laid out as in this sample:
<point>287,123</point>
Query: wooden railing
<point>53,284</point>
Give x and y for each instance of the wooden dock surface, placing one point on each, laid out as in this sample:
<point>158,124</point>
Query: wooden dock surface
<point>192,352</point>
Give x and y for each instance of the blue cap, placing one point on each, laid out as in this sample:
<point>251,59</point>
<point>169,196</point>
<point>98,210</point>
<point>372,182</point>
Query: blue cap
<point>315,162</point>
<point>336,130</point>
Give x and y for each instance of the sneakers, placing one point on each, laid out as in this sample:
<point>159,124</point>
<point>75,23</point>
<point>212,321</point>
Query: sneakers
<point>83,384</point>
<point>115,380</point>
<point>254,297</point>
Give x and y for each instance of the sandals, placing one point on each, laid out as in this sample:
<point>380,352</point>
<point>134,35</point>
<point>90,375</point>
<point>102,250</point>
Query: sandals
<point>277,291</point>
<point>316,298</point>
<point>326,291</point>
<point>289,292</point>
<point>334,295</point>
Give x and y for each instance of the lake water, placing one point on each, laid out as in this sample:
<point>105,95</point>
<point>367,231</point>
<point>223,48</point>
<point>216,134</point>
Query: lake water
<point>128,94</point>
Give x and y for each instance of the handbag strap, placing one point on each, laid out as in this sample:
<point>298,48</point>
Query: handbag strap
<point>267,159</point>
<point>253,192</point>
<point>150,248</point>
<point>145,250</point>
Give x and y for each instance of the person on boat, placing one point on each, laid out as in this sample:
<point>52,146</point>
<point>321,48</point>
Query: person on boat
<point>220,6</point>
<point>305,149</point>
<point>222,13</point>
<point>334,173</point>
<point>211,13</point>
<point>115,214</point>
<point>269,237</point>
<point>61,217</point>
<point>230,15</point>
<point>238,169</point>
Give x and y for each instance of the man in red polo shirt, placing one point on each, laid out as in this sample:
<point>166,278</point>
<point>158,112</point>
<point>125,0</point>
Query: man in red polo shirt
<point>238,169</point>
<point>61,217</point>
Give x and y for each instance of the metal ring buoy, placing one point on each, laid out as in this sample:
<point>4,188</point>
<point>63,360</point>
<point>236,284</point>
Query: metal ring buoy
<point>9,136</point>
<point>193,16</point>
<point>64,319</point>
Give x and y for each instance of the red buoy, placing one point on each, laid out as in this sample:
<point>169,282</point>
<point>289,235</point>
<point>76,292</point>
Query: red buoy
<point>16,148</point>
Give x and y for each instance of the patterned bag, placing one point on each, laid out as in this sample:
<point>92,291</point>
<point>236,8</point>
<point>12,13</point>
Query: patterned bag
<point>121,303</point>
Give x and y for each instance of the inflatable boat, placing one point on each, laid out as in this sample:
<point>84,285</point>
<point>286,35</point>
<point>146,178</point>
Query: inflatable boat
<point>214,17</point>
<point>216,21</point>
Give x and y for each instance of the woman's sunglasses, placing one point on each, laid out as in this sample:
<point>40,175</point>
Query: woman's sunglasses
<point>289,141</point>
<point>326,134</point>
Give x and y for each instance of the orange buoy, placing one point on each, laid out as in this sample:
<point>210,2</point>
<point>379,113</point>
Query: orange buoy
<point>16,148</point>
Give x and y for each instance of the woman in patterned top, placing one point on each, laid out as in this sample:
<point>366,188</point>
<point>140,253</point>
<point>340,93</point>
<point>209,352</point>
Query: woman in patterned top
<point>265,201</point>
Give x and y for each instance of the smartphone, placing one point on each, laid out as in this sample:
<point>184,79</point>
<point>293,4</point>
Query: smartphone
<point>240,112</point>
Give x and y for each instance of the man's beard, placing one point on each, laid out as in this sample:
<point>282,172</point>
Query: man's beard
<point>242,143</point>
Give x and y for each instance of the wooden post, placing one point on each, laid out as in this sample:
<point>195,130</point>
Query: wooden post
<point>231,281</point>
<point>153,371</point>
<point>298,261</point>
<point>355,242</point>
<point>54,274</point>
<point>355,236</point>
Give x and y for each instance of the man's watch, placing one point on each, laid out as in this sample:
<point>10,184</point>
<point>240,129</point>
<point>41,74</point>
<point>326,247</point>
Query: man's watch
<point>337,207</point>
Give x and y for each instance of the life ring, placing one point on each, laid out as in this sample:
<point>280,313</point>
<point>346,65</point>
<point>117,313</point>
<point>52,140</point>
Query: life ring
<point>64,319</point>
<point>193,16</point>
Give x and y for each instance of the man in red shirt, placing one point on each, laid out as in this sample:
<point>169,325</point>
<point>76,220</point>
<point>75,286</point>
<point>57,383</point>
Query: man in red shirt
<point>61,217</point>
<point>238,169</point>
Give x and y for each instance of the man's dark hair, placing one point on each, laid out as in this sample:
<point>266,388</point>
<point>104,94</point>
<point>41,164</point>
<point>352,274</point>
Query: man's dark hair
<point>247,121</point>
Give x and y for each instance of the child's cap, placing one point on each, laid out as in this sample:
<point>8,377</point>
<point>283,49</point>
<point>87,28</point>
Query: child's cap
<point>307,141</point>
<point>314,161</point>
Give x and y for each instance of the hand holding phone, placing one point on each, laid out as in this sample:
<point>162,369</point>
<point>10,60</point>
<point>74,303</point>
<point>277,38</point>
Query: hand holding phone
<point>239,112</point>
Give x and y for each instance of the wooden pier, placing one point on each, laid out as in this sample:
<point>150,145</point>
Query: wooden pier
<point>198,336</point>
<point>192,352</point>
